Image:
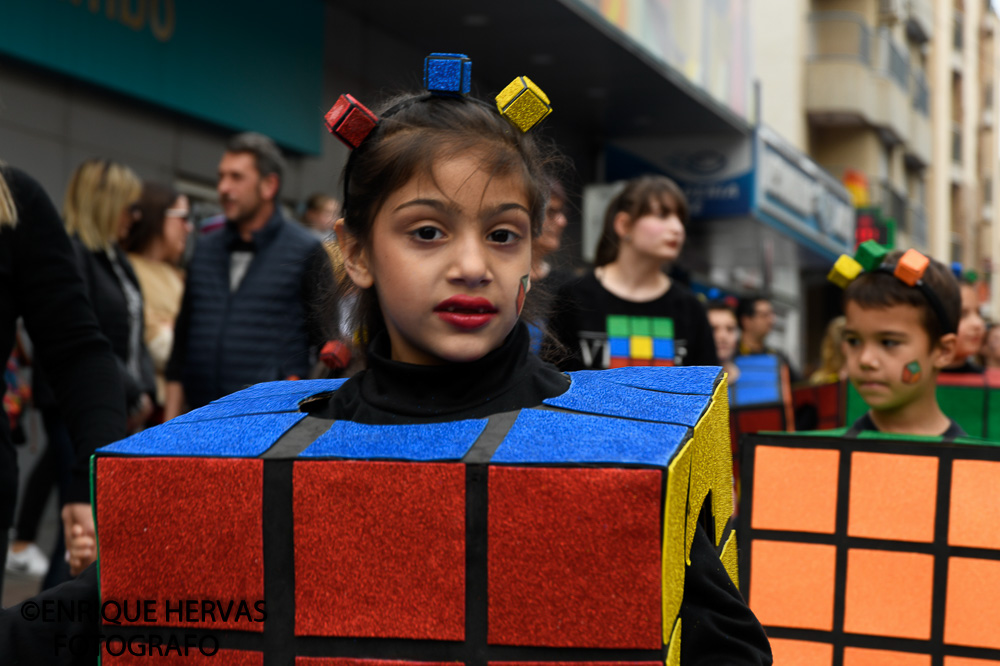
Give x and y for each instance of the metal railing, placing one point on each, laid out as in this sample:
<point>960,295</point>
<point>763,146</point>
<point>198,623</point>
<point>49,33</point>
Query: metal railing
<point>893,205</point>
<point>894,59</point>
<point>921,94</point>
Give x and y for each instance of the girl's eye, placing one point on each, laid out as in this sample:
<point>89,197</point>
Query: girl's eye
<point>851,342</point>
<point>427,233</point>
<point>890,343</point>
<point>503,236</point>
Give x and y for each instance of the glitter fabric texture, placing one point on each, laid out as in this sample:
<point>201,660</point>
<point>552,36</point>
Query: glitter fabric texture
<point>193,658</point>
<point>239,436</point>
<point>523,103</point>
<point>538,436</point>
<point>160,536</point>
<point>591,394</point>
<point>435,441</point>
<point>299,388</point>
<point>350,121</point>
<point>346,661</point>
<point>574,557</point>
<point>448,73</point>
<point>675,553</point>
<point>694,379</point>
<point>380,549</point>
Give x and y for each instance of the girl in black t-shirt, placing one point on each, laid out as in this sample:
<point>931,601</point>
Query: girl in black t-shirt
<point>628,311</point>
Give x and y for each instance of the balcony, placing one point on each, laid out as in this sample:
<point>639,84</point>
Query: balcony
<point>919,20</point>
<point>840,82</point>
<point>857,77</point>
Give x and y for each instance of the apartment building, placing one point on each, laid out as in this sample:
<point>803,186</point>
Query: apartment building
<point>895,97</point>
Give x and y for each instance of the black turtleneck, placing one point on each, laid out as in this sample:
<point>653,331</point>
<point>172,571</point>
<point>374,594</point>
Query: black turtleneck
<point>389,392</point>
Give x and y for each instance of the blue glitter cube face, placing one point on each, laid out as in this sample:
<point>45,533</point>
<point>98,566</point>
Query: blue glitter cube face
<point>448,73</point>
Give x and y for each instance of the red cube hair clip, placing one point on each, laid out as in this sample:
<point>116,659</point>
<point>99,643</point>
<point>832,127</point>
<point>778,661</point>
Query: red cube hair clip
<point>350,121</point>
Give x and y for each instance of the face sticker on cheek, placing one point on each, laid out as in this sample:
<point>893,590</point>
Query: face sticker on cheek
<point>911,372</point>
<point>522,292</point>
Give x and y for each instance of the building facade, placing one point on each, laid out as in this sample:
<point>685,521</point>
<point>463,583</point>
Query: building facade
<point>895,99</point>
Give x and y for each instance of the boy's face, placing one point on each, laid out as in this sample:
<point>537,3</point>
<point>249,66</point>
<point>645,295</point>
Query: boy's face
<point>449,258</point>
<point>890,359</point>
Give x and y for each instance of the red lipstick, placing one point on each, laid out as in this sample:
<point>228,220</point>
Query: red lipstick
<point>466,312</point>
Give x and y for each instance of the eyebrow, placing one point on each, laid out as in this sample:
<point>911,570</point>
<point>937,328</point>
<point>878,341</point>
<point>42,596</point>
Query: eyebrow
<point>897,334</point>
<point>453,209</point>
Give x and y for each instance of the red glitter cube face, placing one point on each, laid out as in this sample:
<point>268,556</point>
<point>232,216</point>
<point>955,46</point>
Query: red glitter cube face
<point>380,549</point>
<point>171,544</point>
<point>574,557</point>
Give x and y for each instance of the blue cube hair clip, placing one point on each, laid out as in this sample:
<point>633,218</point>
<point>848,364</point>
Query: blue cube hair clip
<point>448,74</point>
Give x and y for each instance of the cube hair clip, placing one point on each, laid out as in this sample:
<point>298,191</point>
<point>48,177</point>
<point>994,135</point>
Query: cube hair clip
<point>910,269</point>
<point>522,102</point>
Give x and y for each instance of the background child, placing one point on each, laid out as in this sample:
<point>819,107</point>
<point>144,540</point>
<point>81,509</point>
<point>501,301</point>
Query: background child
<point>726,333</point>
<point>896,342</point>
<point>644,232</point>
<point>971,331</point>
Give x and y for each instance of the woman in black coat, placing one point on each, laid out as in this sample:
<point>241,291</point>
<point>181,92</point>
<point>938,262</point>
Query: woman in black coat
<point>40,282</point>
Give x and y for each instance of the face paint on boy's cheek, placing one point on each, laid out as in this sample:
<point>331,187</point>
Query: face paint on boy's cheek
<point>522,292</point>
<point>911,372</point>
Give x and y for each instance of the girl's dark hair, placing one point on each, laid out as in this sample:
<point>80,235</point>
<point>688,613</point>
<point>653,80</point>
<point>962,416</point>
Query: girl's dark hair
<point>412,134</point>
<point>641,196</point>
<point>148,215</point>
<point>878,290</point>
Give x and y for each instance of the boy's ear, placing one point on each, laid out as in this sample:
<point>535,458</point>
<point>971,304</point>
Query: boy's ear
<point>622,224</point>
<point>356,261</point>
<point>943,353</point>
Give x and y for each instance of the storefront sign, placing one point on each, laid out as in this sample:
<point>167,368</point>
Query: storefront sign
<point>245,65</point>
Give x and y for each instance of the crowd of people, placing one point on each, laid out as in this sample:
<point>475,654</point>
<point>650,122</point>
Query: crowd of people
<point>426,277</point>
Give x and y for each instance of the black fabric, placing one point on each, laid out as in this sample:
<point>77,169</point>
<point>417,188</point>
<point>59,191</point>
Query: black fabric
<point>389,392</point>
<point>582,306</point>
<point>967,367</point>
<point>40,281</point>
<point>865,422</point>
<point>110,306</point>
<point>268,329</point>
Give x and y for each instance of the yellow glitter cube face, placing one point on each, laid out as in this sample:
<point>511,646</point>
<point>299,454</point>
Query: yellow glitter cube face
<point>523,103</point>
<point>641,347</point>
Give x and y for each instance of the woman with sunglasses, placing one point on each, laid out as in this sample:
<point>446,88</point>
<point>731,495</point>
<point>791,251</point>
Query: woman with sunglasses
<point>155,245</point>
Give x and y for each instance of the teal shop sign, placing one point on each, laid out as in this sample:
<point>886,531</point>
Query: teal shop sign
<point>243,64</point>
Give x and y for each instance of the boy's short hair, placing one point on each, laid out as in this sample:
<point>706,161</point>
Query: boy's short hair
<point>878,289</point>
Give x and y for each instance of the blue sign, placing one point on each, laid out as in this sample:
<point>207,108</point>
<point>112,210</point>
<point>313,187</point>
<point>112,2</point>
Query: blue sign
<point>246,65</point>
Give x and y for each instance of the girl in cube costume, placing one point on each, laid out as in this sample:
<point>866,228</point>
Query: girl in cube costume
<point>442,198</point>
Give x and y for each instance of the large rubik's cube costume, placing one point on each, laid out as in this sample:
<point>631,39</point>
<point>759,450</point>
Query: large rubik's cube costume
<point>873,549</point>
<point>554,534</point>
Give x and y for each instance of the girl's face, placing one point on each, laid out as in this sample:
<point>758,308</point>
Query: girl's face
<point>176,228</point>
<point>449,258</point>
<point>726,333</point>
<point>658,234</point>
<point>971,327</point>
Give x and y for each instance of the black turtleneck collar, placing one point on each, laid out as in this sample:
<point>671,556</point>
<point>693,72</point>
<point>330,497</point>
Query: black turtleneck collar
<point>507,378</point>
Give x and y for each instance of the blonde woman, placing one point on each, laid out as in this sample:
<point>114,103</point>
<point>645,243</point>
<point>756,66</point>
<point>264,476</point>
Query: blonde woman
<point>98,211</point>
<point>41,284</point>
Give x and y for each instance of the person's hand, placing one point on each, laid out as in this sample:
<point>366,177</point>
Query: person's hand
<point>78,526</point>
<point>82,550</point>
<point>138,416</point>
